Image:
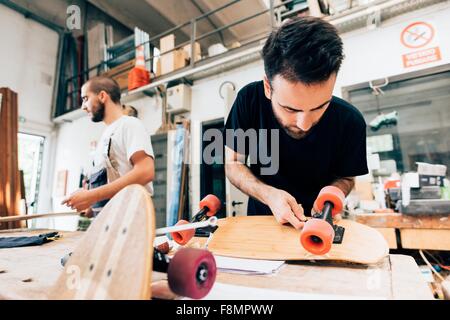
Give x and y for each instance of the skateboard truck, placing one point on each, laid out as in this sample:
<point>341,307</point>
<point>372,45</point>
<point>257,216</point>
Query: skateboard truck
<point>328,217</point>
<point>209,206</point>
<point>319,233</point>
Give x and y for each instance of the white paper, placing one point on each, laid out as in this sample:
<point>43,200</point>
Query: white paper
<point>247,266</point>
<point>222,291</point>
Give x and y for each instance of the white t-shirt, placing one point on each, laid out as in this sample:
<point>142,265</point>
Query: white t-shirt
<point>128,135</point>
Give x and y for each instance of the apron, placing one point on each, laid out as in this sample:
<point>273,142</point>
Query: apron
<point>103,173</point>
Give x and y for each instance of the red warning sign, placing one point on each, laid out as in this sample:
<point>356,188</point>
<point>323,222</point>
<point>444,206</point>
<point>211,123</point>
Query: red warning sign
<point>421,57</point>
<point>417,35</point>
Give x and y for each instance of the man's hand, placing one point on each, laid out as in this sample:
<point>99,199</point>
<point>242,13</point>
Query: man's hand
<point>285,208</point>
<point>81,200</point>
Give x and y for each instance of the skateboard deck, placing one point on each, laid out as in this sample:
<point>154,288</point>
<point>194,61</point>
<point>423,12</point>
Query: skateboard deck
<point>262,237</point>
<point>114,258</point>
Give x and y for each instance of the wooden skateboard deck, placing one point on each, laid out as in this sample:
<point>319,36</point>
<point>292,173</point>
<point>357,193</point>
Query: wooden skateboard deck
<point>114,258</point>
<point>262,237</point>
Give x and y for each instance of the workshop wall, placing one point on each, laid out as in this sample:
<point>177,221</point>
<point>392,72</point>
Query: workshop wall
<point>28,63</point>
<point>375,54</point>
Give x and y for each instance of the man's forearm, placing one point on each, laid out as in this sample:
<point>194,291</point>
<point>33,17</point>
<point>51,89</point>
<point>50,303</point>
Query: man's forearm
<point>345,184</point>
<point>243,179</point>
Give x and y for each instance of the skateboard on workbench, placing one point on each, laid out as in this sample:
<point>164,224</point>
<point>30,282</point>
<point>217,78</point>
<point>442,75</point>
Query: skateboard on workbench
<point>115,258</point>
<point>321,238</point>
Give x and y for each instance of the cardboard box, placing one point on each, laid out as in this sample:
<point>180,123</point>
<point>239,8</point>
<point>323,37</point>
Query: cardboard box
<point>173,60</point>
<point>197,51</point>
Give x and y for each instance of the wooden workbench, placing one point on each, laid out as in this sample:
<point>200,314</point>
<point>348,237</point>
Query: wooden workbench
<point>430,232</point>
<point>28,273</point>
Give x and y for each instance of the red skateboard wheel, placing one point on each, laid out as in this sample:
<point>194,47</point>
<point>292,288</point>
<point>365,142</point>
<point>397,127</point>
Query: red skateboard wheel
<point>331,194</point>
<point>182,237</point>
<point>317,236</point>
<point>192,273</point>
<point>212,203</point>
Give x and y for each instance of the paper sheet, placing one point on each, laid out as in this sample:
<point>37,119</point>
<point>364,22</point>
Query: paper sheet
<point>247,266</point>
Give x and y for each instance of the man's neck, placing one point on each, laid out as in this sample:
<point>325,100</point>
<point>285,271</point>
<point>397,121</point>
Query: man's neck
<point>112,114</point>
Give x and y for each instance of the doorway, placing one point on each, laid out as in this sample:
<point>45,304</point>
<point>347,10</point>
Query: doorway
<point>31,148</point>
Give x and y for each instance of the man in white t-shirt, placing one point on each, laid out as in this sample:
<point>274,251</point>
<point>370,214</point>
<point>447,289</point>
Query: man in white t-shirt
<point>124,153</point>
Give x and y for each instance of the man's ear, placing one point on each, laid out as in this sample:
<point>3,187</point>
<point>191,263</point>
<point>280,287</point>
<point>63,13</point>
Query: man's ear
<point>102,96</point>
<point>267,88</point>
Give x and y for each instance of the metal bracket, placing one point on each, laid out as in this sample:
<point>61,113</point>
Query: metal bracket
<point>338,234</point>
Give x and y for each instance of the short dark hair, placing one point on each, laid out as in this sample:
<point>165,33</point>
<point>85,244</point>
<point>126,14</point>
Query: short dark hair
<point>303,49</point>
<point>130,111</point>
<point>110,86</point>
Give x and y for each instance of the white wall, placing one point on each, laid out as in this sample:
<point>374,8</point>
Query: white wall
<point>27,65</point>
<point>375,54</point>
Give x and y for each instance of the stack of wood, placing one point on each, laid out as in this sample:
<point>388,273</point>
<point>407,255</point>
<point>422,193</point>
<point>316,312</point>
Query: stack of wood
<point>10,189</point>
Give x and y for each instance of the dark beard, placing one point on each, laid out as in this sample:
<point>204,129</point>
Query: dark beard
<point>99,114</point>
<point>294,135</point>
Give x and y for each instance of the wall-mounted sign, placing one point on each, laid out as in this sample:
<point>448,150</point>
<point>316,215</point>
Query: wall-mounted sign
<point>421,57</point>
<point>419,35</point>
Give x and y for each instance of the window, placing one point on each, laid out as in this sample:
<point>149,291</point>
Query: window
<point>31,148</point>
<point>415,118</point>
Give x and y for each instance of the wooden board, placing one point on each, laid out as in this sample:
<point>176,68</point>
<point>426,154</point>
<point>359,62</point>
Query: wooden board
<point>390,236</point>
<point>9,164</point>
<point>431,239</point>
<point>120,73</point>
<point>401,221</point>
<point>114,258</point>
<point>262,237</point>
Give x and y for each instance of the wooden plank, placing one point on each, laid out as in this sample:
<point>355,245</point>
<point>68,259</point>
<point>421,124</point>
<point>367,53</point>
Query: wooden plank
<point>120,73</point>
<point>407,280</point>
<point>390,236</point>
<point>431,239</point>
<point>401,221</point>
<point>96,47</point>
<point>9,165</point>
<point>37,216</point>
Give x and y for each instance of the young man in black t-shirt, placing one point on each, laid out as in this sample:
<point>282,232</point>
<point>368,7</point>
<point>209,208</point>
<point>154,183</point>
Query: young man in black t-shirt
<point>313,138</point>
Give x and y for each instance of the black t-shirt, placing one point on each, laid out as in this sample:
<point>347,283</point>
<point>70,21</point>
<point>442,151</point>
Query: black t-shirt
<point>335,147</point>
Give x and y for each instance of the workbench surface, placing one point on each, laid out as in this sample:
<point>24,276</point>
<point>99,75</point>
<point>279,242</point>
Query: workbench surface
<point>29,272</point>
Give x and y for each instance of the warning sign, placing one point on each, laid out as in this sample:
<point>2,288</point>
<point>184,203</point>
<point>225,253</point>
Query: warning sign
<point>421,57</point>
<point>417,35</point>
